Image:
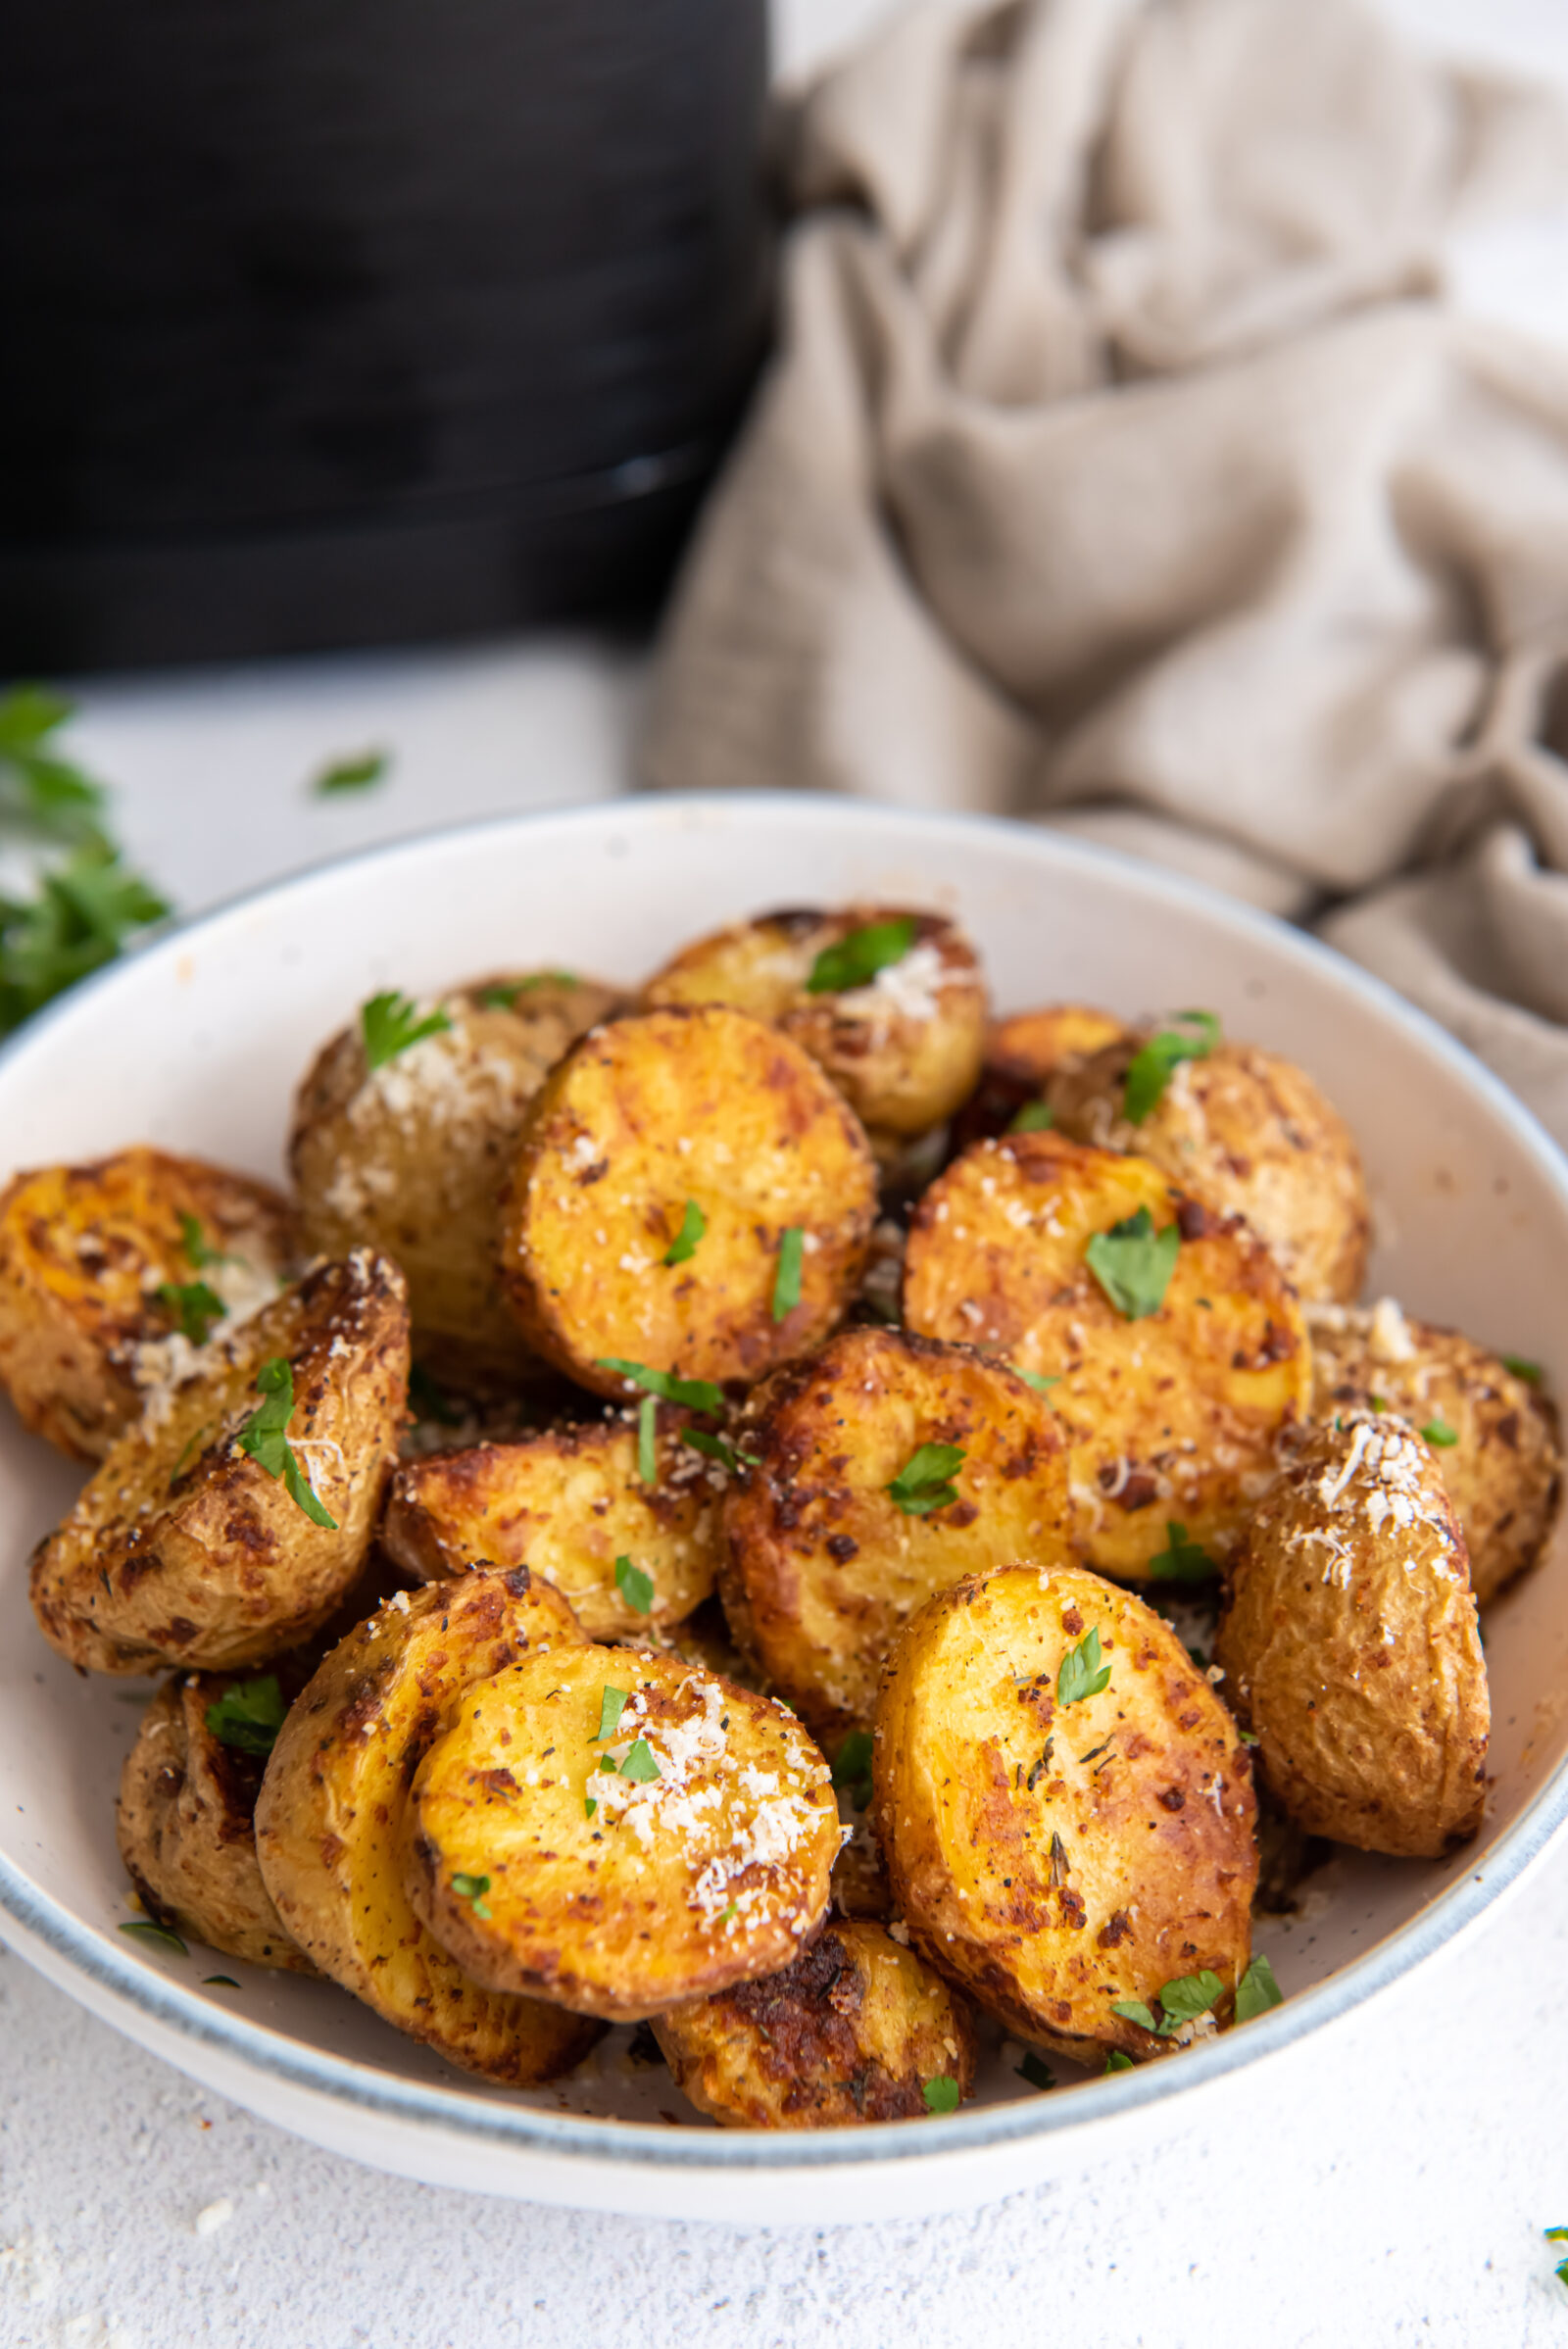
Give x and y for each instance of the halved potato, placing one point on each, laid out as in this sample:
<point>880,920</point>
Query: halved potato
<point>699,1123</point>
<point>1171,1417</point>
<point>411,1156</point>
<point>184,1549</point>
<point>853,2031</point>
<point>1494,1437</point>
<point>621,1832</point>
<point>1059,1852</point>
<point>1247,1130</point>
<point>903,1047</point>
<point>572,1504</point>
<point>822,1562</point>
<point>329,1819</point>
<point>1350,1643</point>
<point>1023,1052</point>
<point>84,1336</point>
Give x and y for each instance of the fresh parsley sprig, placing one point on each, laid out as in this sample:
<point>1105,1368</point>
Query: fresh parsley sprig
<point>1035,1117</point>
<point>857,957</point>
<point>852,1768</point>
<point>356,773</point>
<point>1558,2235</point>
<point>1257,1990</point>
<point>248,1715</point>
<point>1181,1561</point>
<point>1181,2001</point>
<point>693,1228</point>
<point>695,1395</point>
<point>1150,1069</point>
<point>635,1586</point>
<point>941,2094</point>
<point>787,1279</point>
<point>923,1483</point>
<point>390,1023</point>
<point>612,1702</point>
<point>1133,1263</point>
<point>503,995</point>
<point>1082,1672</point>
<point>193,1305</point>
<point>265,1437</point>
<point>1439,1435</point>
<point>1036,2070</point>
<point>472,1889</point>
<point>719,1448</point>
<point>1523,1368</point>
<point>147,1929</point>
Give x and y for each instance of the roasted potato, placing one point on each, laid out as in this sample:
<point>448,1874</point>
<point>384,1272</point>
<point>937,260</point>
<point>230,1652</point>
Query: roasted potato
<point>1495,1438</point>
<point>1350,1643</point>
<point>1065,1807</point>
<point>691,1194</point>
<point>409,1156</point>
<point>571,1503</point>
<point>852,2030</point>
<point>330,1813</point>
<point>1023,1053</point>
<point>828,1546</point>
<point>183,1547</point>
<point>1247,1130</point>
<point>903,1046</point>
<point>88,1256</point>
<point>619,1833</point>
<point>1171,1416</point>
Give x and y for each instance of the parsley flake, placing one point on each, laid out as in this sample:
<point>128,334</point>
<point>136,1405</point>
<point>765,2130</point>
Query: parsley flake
<point>1133,1263</point>
<point>390,1023</point>
<point>941,2095</point>
<point>1558,2235</point>
<point>219,1982</point>
<point>717,1447</point>
<point>86,910</point>
<point>1035,1379</point>
<point>503,995</point>
<point>922,1484</point>
<point>589,1806</point>
<point>1181,1561</point>
<point>264,1436</point>
<point>355,773</point>
<point>146,1929</point>
<point>194,1306</point>
<point>1522,1368</point>
<point>852,1770</point>
<point>697,1394</point>
<point>612,1704</point>
<point>1136,2012</point>
<point>248,1715</point>
<point>693,1226</point>
<point>1439,1435</point>
<point>648,1440</point>
<point>787,1279</point>
<point>1034,1117</point>
<point>635,1586</point>
<point>1117,2062</point>
<point>1082,1672</point>
<point>472,1889</point>
<point>1257,1990</point>
<point>193,1245</point>
<point>1036,2070</point>
<point>858,957</point>
<point>640,1765</point>
<point>1150,1070</point>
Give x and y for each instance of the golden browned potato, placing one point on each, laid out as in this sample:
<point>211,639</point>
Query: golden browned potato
<point>1350,1643</point>
<point>1066,1810</point>
<point>1494,1436</point>
<point>571,1503</point>
<point>1177,1363</point>
<point>90,1258</point>
<point>889,1001</point>
<point>331,1818</point>
<point>1023,1052</point>
<point>621,1832</point>
<point>855,2029</point>
<point>886,1467</point>
<point>227,1524</point>
<point>410,1156</point>
<point>1247,1130</point>
<point>691,1194</point>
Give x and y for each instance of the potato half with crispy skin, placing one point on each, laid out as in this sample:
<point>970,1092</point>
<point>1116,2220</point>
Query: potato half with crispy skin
<point>1250,1131</point>
<point>691,1194</point>
<point>621,1832</point>
<point>1350,1646</point>
<point>1058,1848</point>
<point>572,1504</point>
<point>1023,1053</point>
<point>903,1046</point>
<point>1493,1436</point>
<point>330,1817</point>
<point>84,1251</point>
<point>183,1548</point>
<point>853,2031</point>
<point>411,1156</point>
<point>1171,1415</point>
<point>823,1561</point>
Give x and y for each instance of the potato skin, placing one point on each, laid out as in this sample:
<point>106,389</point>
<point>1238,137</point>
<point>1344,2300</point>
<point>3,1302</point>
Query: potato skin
<point>1504,1474</point>
<point>329,1817</point>
<point>569,1502</point>
<point>1248,1131</point>
<point>712,1871</point>
<point>1349,1645</point>
<point>84,1250</point>
<point>410,1157</point>
<point>1055,1859</point>
<point>1023,1053</point>
<point>181,1550</point>
<point>644,1116</point>
<point>1171,1418</point>
<point>847,2034</point>
<point>820,1565</point>
<point>905,1050</point>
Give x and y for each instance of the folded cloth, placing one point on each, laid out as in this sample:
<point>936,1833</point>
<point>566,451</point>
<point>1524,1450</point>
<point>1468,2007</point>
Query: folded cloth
<point>1121,465</point>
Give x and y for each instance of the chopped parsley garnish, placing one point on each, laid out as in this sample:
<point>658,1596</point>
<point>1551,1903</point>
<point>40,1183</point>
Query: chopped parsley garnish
<point>1558,2235</point>
<point>1522,1368</point>
<point>248,1715</point>
<point>1257,1990</point>
<point>1439,1435</point>
<point>504,996</point>
<point>1033,1118</point>
<point>697,1394</point>
<point>351,775</point>
<point>1036,2070</point>
<point>589,1806</point>
<point>194,1306</point>
<point>219,1982</point>
<point>852,1770</point>
<point>693,1225</point>
<point>1181,1561</point>
<point>640,1765</point>
<point>729,1910</point>
<point>1082,1672</point>
<point>1136,2012</point>
<point>144,1929</point>
<point>922,1484</point>
<point>941,2095</point>
<point>858,956</point>
<point>1181,2001</point>
<point>193,1242</point>
<point>648,1440</point>
<point>192,1446</point>
<point>86,910</point>
<point>717,1447</point>
<point>1035,1379</point>
<point>612,1704</point>
<point>1117,2062</point>
<point>472,1889</point>
<point>390,1023</point>
<point>265,1437</point>
<point>1150,1070</point>
<point>635,1586</point>
<point>429,1400</point>
<point>787,1279</point>
<point>1133,1263</point>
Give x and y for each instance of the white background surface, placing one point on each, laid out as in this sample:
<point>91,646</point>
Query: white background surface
<point>1386,2184</point>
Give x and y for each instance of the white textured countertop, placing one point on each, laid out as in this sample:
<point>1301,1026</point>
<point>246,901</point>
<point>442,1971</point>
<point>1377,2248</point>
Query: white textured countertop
<point>1386,2184</point>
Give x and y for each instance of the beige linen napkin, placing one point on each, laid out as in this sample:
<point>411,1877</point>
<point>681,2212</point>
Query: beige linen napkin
<point>1121,465</point>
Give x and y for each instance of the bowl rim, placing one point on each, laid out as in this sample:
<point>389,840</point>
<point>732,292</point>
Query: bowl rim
<point>476,2112</point>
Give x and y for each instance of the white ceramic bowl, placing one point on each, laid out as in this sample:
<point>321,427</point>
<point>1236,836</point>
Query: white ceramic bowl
<point>196,1043</point>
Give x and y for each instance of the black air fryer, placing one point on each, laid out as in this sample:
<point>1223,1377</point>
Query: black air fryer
<point>343,321</point>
